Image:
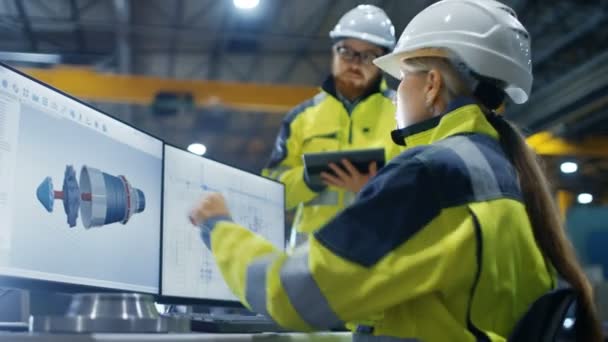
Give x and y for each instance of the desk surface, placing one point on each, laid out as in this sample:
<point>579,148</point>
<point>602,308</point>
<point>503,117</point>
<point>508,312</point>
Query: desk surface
<point>192,337</point>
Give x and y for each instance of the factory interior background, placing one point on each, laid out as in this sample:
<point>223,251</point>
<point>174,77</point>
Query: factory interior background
<point>207,72</point>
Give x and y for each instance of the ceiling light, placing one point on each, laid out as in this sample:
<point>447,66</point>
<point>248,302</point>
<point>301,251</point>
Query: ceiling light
<point>585,198</point>
<point>197,148</point>
<point>246,4</point>
<point>568,167</point>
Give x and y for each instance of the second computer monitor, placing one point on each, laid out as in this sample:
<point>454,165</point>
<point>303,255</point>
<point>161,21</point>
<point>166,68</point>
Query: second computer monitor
<point>257,203</point>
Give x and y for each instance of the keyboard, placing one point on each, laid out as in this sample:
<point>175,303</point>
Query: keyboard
<point>229,323</point>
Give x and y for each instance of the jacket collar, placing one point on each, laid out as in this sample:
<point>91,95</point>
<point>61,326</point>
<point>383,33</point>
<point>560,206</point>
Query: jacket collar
<point>461,117</point>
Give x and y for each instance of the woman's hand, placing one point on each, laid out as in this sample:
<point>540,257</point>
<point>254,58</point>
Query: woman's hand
<point>213,205</point>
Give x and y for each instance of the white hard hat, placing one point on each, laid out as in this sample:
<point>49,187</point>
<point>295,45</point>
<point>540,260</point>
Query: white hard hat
<point>484,34</point>
<point>368,23</point>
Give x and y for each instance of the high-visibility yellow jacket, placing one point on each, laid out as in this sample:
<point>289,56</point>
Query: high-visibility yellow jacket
<point>439,242</point>
<point>325,123</point>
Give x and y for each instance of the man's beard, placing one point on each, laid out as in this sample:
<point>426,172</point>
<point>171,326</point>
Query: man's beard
<point>353,89</point>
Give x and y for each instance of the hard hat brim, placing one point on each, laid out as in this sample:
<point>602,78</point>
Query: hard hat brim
<point>370,38</point>
<point>391,62</point>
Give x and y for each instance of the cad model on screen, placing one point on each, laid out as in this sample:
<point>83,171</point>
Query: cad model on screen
<point>101,198</point>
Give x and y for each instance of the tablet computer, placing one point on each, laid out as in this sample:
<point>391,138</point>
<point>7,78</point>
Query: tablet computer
<point>315,163</point>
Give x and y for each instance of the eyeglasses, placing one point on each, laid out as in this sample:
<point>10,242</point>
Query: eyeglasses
<point>350,55</point>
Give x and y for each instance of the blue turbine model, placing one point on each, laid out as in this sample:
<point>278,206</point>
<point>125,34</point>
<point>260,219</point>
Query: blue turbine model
<point>102,198</point>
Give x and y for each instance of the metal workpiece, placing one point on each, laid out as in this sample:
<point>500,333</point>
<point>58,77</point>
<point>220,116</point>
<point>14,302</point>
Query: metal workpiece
<point>113,305</point>
<point>109,313</point>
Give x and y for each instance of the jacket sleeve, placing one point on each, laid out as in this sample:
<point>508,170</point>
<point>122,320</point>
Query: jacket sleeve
<point>286,164</point>
<point>389,246</point>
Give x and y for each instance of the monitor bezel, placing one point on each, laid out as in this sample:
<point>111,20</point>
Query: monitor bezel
<point>167,299</point>
<point>27,283</point>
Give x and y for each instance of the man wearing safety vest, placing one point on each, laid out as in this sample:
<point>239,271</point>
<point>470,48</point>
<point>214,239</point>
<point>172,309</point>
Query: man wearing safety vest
<point>353,110</point>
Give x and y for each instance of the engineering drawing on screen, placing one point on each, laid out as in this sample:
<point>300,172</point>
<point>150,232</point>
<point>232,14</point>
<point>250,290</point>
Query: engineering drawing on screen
<point>189,269</point>
<point>101,198</point>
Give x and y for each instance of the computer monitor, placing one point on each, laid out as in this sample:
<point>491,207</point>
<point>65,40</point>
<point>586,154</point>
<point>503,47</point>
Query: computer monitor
<point>80,193</point>
<point>188,271</point>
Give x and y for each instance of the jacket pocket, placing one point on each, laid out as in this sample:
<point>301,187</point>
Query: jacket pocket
<point>321,143</point>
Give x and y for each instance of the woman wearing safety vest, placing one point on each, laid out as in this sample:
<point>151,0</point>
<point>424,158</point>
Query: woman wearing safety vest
<point>454,238</point>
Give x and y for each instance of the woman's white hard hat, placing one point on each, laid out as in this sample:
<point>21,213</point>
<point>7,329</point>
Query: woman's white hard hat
<point>484,34</point>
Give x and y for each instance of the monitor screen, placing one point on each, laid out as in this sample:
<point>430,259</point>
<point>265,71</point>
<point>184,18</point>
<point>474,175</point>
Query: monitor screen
<point>257,203</point>
<point>80,192</point>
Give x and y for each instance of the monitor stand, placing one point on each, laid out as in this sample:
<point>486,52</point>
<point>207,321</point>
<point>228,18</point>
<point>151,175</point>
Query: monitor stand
<point>14,309</point>
<point>106,313</point>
